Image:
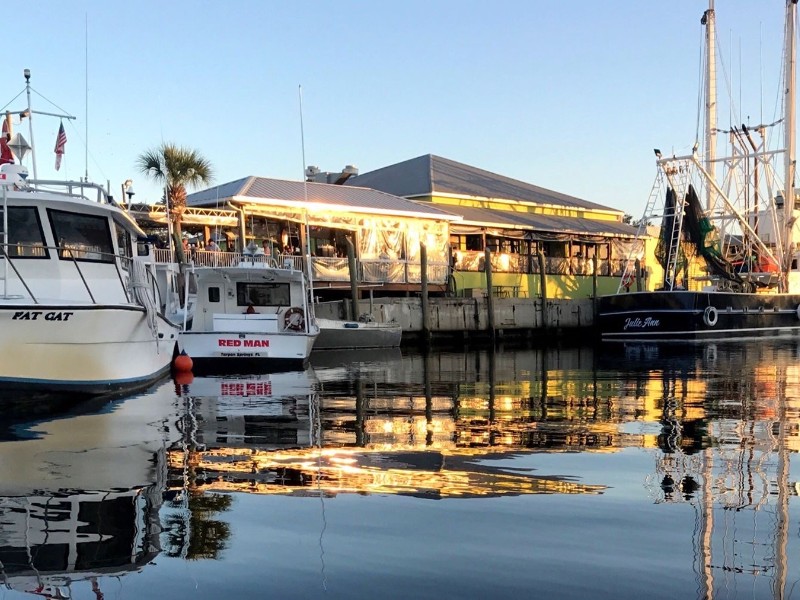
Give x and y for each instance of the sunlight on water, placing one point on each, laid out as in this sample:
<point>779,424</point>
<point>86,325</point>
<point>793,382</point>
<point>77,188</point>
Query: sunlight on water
<point>618,471</point>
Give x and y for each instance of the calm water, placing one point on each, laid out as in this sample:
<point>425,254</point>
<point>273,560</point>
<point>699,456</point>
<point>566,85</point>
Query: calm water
<point>572,473</point>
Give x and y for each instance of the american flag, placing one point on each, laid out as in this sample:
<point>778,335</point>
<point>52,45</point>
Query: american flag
<point>61,141</point>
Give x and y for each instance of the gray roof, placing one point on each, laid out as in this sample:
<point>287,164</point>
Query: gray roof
<point>542,223</point>
<point>357,199</point>
<point>429,174</point>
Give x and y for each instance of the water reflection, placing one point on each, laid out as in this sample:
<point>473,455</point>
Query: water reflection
<point>80,492</point>
<point>675,461</point>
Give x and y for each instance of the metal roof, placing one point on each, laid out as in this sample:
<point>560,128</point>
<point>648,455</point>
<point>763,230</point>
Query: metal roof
<point>430,175</point>
<point>298,193</point>
<point>543,223</point>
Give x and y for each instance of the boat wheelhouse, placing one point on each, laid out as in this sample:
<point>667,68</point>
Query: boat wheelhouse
<point>249,318</point>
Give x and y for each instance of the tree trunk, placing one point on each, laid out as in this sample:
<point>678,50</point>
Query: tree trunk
<point>177,240</point>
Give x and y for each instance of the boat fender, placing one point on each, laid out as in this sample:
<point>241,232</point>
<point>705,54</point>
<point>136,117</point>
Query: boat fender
<point>710,316</point>
<point>294,319</point>
<point>355,325</point>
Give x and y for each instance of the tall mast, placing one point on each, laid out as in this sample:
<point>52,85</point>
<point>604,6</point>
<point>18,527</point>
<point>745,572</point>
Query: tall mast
<point>709,20</point>
<point>789,108</point>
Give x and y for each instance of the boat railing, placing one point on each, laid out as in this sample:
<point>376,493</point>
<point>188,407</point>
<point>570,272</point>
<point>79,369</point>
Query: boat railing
<point>74,189</point>
<point>122,266</point>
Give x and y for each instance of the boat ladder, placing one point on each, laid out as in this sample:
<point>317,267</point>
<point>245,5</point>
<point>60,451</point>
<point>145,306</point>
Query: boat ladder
<point>679,189</point>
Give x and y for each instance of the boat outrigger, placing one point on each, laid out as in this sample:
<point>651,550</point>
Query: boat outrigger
<point>728,247</point>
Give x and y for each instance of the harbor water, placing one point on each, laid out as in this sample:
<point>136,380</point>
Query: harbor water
<point>611,471</point>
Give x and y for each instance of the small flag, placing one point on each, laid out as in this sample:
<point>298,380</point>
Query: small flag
<point>6,157</point>
<point>61,141</point>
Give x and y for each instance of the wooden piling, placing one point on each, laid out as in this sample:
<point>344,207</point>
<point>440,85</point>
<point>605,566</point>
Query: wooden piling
<point>487,268</point>
<point>542,287</point>
<point>351,263</point>
<point>426,318</point>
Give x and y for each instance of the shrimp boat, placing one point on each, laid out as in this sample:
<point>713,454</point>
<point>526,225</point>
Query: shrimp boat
<point>249,318</point>
<point>726,257</point>
<point>80,310</point>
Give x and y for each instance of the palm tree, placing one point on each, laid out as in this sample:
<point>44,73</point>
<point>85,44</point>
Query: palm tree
<point>176,168</point>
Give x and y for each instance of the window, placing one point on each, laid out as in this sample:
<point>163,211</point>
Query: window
<point>213,294</point>
<point>25,234</point>
<point>82,237</point>
<point>262,294</point>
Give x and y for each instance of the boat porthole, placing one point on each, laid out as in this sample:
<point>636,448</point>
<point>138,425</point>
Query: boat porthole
<point>710,316</point>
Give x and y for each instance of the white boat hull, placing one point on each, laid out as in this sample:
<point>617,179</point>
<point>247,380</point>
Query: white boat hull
<point>352,335</point>
<point>82,348</point>
<point>254,352</point>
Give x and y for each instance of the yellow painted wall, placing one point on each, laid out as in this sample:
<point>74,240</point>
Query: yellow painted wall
<point>514,206</point>
<point>558,286</point>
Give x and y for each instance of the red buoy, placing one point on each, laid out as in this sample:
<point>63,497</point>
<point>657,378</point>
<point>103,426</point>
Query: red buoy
<point>182,362</point>
<point>183,377</point>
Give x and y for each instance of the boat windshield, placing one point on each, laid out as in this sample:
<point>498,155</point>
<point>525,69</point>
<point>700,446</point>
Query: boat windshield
<point>262,294</point>
<point>82,237</point>
<point>25,234</point>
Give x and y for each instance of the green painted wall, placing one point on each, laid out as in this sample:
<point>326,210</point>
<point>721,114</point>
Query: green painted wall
<point>558,286</point>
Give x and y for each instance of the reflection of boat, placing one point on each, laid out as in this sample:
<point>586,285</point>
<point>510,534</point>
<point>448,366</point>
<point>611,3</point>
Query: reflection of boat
<point>743,226</point>
<point>350,359</point>
<point>79,306</point>
<point>250,318</point>
<point>80,495</point>
<point>336,335</point>
<point>256,410</point>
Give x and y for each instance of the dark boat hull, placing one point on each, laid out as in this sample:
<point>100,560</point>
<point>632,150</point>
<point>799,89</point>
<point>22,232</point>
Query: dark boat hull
<point>680,316</point>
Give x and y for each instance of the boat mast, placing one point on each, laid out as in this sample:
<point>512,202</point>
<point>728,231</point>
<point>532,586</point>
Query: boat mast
<point>27,73</point>
<point>789,134</point>
<point>789,108</point>
<point>709,20</point>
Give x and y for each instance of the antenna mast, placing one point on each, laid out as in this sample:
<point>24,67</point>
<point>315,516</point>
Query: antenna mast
<point>709,20</point>
<point>305,196</point>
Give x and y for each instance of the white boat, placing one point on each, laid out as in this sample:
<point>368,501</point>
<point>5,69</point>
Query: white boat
<point>79,306</point>
<point>353,335</point>
<point>737,212</point>
<point>249,318</point>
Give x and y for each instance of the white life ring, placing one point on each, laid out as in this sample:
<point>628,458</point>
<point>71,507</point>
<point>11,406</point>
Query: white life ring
<point>294,319</point>
<point>710,316</point>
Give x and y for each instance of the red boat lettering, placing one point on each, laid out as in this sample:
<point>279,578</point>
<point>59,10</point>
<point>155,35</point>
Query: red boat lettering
<point>255,388</point>
<point>256,343</point>
<point>229,343</point>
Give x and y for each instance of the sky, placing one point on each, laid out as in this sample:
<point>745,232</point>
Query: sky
<point>568,95</point>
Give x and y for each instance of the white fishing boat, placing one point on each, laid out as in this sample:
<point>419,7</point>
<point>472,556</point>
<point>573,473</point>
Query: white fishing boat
<point>353,335</point>
<point>736,214</point>
<point>79,306</point>
<point>249,318</point>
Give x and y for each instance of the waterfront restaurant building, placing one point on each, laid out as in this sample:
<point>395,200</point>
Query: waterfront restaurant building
<point>523,225</point>
<point>284,218</point>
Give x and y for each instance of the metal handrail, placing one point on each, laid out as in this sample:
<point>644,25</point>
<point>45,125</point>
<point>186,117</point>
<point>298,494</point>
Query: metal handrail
<point>60,249</point>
